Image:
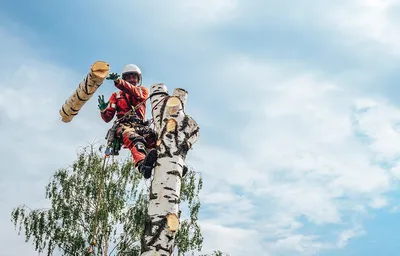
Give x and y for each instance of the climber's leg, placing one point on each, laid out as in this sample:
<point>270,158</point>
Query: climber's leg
<point>133,142</point>
<point>150,137</point>
<point>143,160</point>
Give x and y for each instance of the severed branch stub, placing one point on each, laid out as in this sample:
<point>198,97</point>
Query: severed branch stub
<point>177,132</point>
<point>173,222</point>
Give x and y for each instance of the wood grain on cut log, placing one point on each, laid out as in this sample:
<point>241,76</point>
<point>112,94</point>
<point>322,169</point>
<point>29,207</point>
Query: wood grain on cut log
<point>173,222</point>
<point>171,125</point>
<point>85,90</point>
<point>175,131</point>
<point>173,105</point>
<point>182,95</point>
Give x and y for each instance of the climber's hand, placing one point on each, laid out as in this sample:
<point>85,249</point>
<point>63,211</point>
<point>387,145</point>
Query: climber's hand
<point>102,104</point>
<point>113,76</point>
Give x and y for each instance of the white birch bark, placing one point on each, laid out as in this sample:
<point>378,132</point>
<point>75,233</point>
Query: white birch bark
<point>86,88</point>
<point>177,132</point>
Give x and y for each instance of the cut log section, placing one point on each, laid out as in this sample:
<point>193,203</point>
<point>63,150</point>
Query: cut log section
<point>86,88</point>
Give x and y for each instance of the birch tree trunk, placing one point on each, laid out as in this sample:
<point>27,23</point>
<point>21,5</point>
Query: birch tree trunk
<point>177,132</point>
<point>86,88</point>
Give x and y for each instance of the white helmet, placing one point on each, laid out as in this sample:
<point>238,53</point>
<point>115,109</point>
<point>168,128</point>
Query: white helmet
<point>132,68</point>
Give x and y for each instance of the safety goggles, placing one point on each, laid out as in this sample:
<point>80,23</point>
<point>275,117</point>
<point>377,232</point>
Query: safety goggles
<point>130,74</point>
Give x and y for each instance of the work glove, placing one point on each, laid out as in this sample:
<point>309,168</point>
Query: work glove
<point>102,104</point>
<point>112,76</point>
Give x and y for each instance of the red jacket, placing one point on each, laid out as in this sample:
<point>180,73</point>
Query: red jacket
<point>123,100</point>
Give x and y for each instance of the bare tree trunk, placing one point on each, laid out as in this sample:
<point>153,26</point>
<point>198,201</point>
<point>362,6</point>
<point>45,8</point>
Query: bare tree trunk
<point>177,132</point>
<point>86,88</point>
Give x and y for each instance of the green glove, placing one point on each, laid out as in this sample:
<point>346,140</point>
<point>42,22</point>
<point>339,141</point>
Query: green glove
<point>102,105</point>
<point>113,76</point>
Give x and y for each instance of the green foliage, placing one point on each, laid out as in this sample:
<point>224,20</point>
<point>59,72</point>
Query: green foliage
<point>133,220</point>
<point>189,235</point>
<point>216,253</point>
<point>79,214</point>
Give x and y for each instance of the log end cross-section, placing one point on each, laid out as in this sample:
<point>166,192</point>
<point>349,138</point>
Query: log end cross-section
<point>173,222</point>
<point>173,105</point>
<point>171,125</point>
<point>100,69</point>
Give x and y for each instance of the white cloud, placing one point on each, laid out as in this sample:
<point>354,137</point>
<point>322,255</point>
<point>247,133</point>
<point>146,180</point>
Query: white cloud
<point>301,154</point>
<point>232,240</point>
<point>363,27</point>
<point>378,202</point>
<point>174,17</point>
<point>396,171</point>
<point>35,141</point>
<point>380,122</point>
<point>347,234</point>
<point>395,209</point>
<point>367,25</point>
<point>207,12</point>
<point>302,244</point>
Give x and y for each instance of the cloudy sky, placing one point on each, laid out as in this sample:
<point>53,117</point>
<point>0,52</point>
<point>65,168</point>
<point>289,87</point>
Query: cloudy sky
<point>297,103</point>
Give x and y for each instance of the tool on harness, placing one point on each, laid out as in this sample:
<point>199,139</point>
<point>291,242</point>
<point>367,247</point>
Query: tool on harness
<point>114,140</point>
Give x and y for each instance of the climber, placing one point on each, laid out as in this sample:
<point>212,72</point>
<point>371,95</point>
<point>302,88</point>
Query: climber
<point>136,134</point>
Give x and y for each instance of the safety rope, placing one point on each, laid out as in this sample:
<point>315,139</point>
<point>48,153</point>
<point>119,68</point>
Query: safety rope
<point>141,103</point>
<point>165,97</point>
<point>99,188</point>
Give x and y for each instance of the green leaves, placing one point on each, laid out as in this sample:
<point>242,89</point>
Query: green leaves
<point>189,235</point>
<point>119,194</point>
<point>71,223</point>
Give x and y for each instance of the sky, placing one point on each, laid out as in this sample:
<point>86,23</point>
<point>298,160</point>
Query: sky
<point>297,103</point>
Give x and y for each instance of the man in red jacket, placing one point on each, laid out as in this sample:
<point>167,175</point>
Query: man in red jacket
<point>139,139</point>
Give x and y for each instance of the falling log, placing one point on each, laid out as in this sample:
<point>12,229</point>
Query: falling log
<point>86,88</point>
<point>177,132</point>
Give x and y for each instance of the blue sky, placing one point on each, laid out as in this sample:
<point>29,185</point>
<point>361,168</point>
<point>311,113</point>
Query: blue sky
<point>299,101</point>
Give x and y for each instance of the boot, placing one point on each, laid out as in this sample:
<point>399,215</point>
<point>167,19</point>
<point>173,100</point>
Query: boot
<point>184,171</point>
<point>146,165</point>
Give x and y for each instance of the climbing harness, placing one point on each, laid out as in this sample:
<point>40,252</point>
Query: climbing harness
<point>114,143</point>
<point>114,140</point>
